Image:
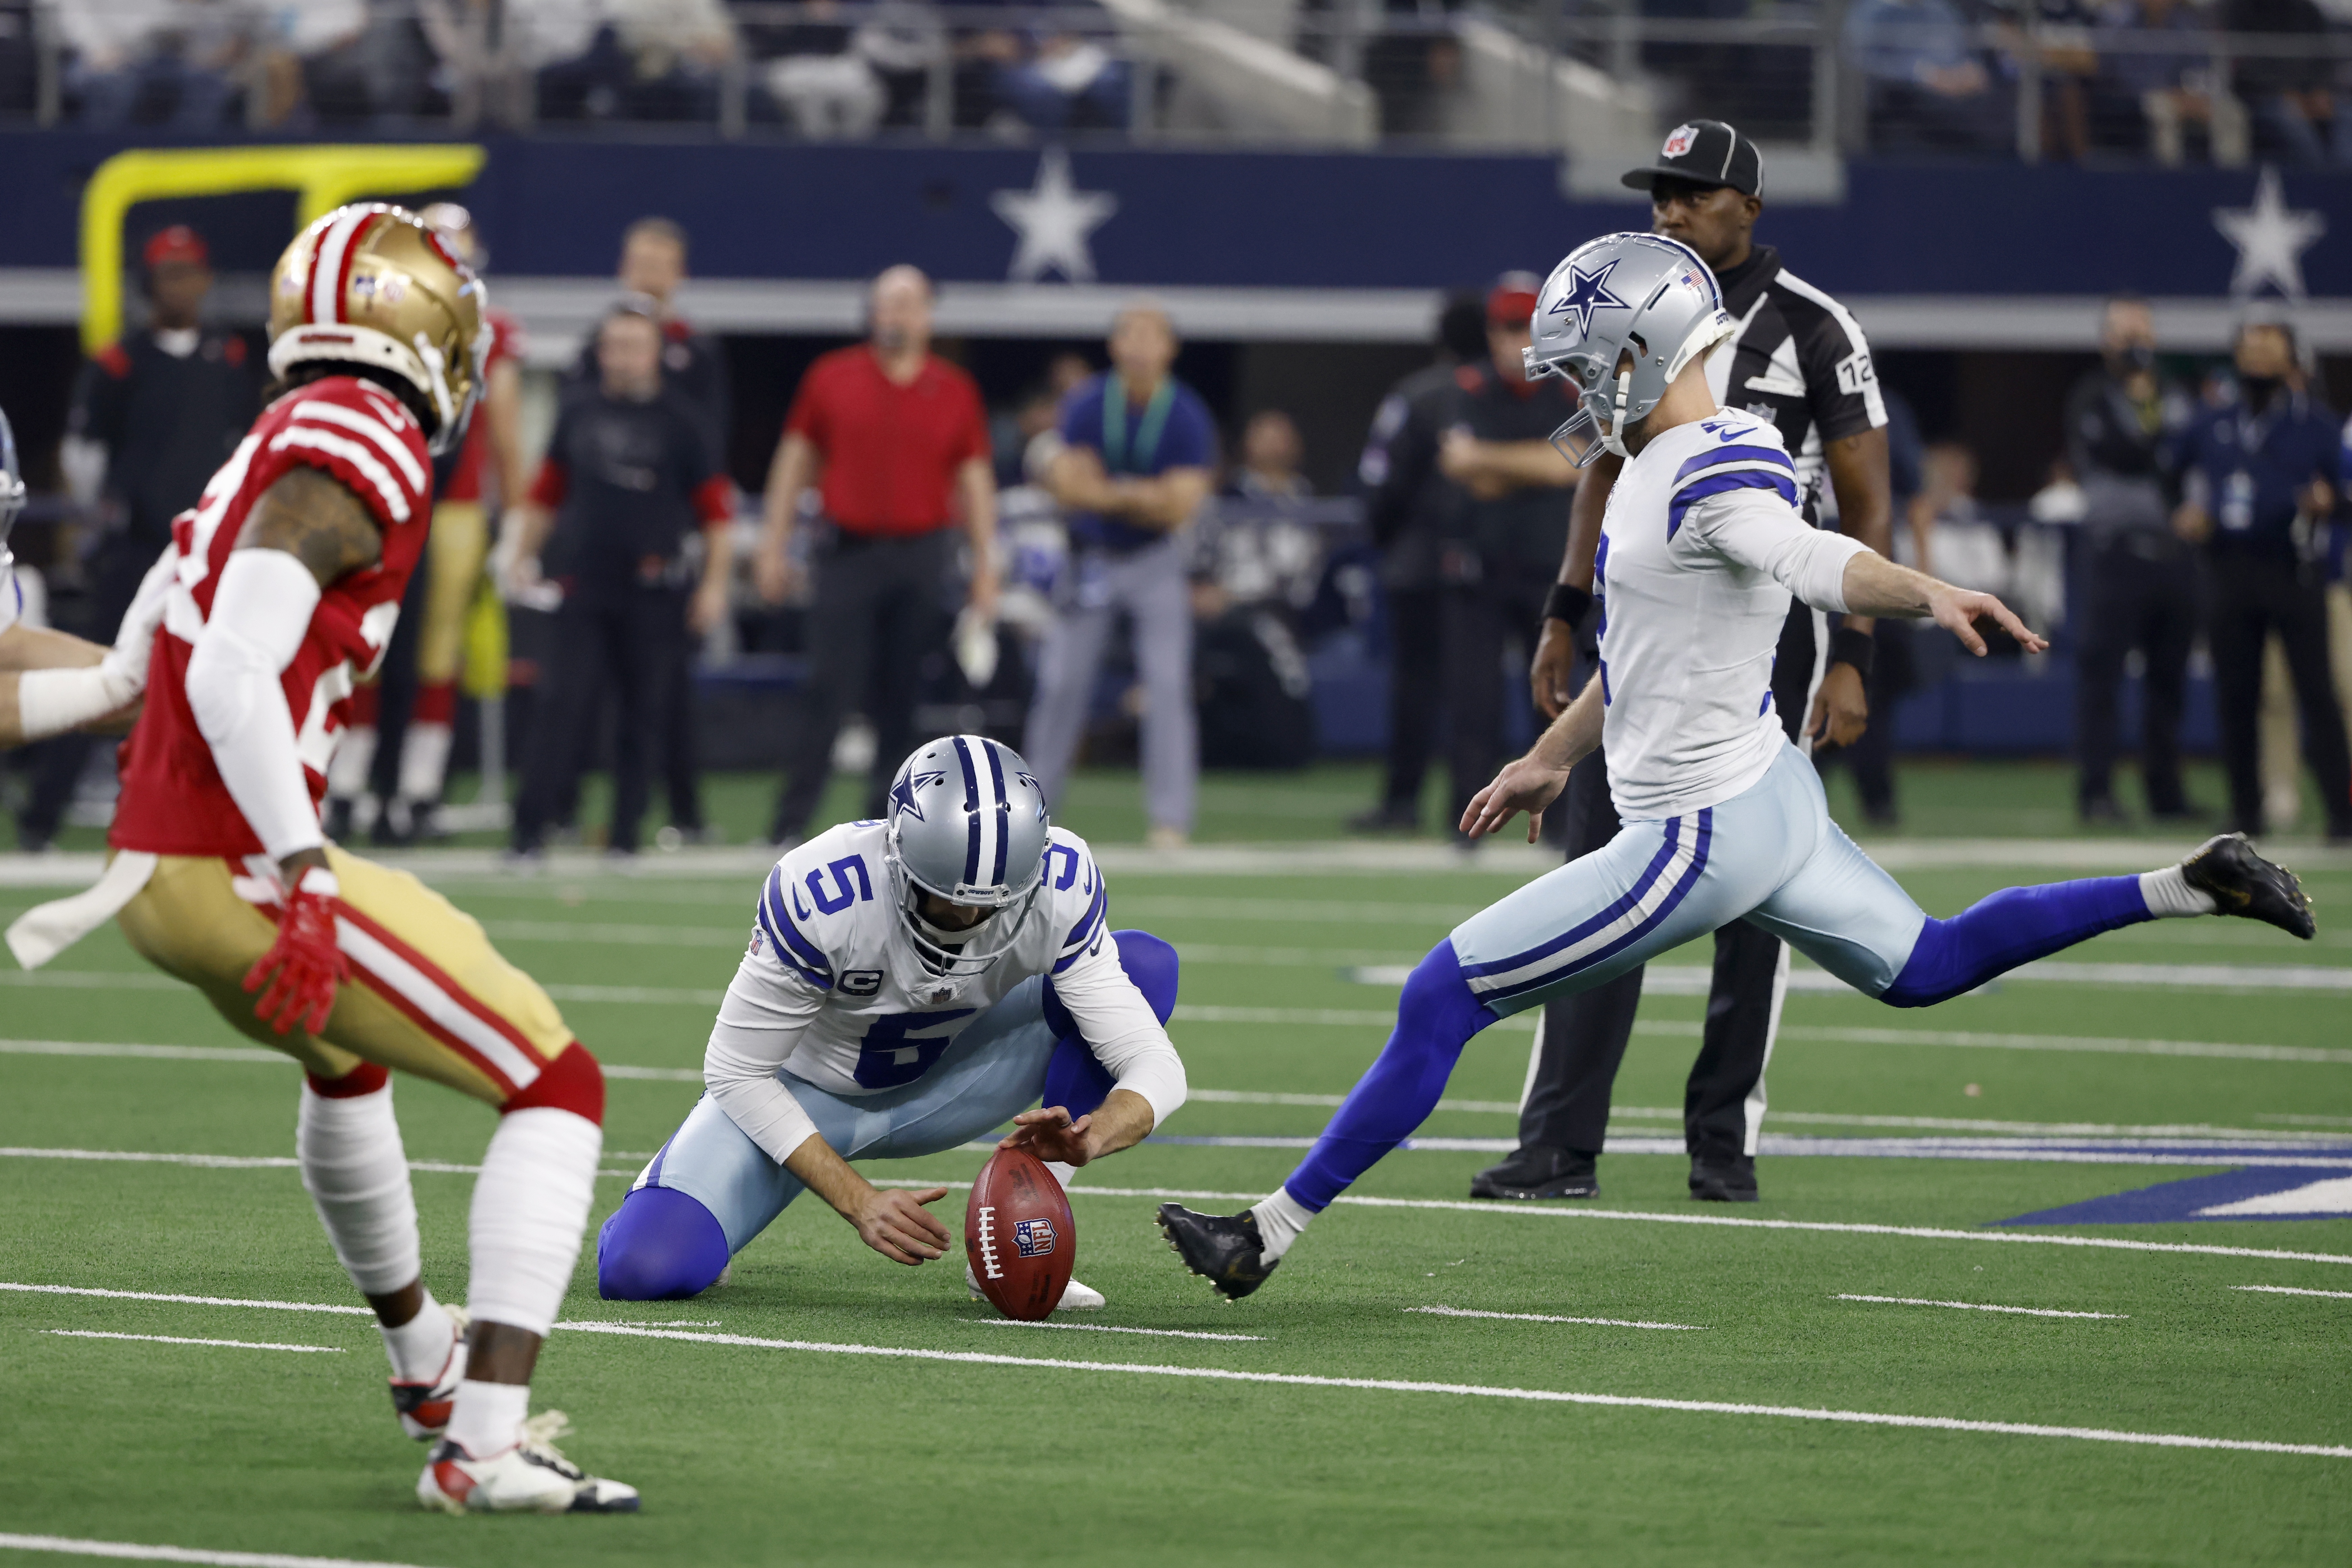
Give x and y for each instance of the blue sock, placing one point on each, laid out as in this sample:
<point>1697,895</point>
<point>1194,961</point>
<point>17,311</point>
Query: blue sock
<point>659,1246</point>
<point>1436,1018</point>
<point>2014,926</point>
<point>1075,1078</point>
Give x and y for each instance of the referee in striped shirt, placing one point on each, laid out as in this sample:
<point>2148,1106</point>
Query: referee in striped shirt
<point>1799,361</point>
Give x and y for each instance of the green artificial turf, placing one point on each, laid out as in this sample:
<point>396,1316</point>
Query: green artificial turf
<point>750,1455</point>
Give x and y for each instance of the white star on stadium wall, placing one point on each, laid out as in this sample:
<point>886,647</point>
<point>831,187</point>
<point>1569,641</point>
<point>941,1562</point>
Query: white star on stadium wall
<point>1054,218</point>
<point>2271,239</point>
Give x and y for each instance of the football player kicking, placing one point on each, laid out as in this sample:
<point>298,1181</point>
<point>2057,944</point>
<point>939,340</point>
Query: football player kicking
<point>51,682</point>
<point>289,573</point>
<point>911,984</point>
<point>1701,549</point>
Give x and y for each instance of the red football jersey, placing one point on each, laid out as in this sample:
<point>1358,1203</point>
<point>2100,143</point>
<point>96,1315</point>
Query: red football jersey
<point>173,800</point>
<point>466,481</point>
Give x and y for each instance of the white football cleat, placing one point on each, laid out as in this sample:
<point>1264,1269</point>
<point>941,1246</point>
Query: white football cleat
<point>531,1476</point>
<point>424,1406</point>
<point>1076,1296</point>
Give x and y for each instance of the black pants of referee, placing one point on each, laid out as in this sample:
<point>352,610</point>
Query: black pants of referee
<point>1584,1035</point>
<point>625,646</point>
<point>879,614</point>
<point>2251,600</point>
<point>2143,599</point>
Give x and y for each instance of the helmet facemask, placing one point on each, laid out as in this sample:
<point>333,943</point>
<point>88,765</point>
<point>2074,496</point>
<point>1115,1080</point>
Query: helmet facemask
<point>957,955</point>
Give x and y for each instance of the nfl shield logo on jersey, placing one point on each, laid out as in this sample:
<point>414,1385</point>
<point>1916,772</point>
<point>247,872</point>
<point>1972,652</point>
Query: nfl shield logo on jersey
<point>1035,1237</point>
<point>1679,140</point>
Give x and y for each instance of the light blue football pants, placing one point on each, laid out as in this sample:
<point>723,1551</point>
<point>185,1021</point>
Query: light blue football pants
<point>1769,855</point>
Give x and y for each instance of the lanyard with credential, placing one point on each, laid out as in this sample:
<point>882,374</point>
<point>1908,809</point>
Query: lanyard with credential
<point>1148,430</point>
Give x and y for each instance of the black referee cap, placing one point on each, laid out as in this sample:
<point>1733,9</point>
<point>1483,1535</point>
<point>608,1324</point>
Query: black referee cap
<point>1705,152</point>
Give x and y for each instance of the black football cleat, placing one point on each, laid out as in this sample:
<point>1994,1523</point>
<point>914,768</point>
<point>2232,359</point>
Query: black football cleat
<point>1536,1171</point>
<point>1224,1249</point>
<point>1727,1179</point>
<point>2244,884</point>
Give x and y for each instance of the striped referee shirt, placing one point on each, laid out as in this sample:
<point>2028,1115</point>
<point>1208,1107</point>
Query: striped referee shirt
<point>1799,360</point>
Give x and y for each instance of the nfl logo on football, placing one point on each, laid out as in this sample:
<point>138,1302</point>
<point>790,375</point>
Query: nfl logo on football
<point>1035,1237</point>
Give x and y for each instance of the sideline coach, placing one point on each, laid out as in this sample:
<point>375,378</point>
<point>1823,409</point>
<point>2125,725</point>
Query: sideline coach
<point>1799,361</point>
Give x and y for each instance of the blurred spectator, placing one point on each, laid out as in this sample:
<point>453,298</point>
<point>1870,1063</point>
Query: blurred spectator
<point>1138,449</point>
<point>622,59</point>
<point>1928,84</point>
<point>1409,507</point>
<point>1256,565</point>
<point>2057,45</point>
<point>153,62</point>
<point>2290,94</point>
<point>1404,50</point>
<point>1500,561</point>
<point>2140,580</point>
<point>156,414</point>
<point>693,370</point>
<point>2258,481</point>
<point>1025,436</point>
<point>896,439</point>
<point>1059,78</point>
<point>626,479</point>
<point>812,68</point>
<point>1252,546</point>
<point>2172,89</point>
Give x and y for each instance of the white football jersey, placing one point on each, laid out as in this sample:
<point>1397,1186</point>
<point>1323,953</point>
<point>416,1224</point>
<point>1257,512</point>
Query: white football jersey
<point>12,594</point>
<point>1701,548</point>
<point>832,991</point>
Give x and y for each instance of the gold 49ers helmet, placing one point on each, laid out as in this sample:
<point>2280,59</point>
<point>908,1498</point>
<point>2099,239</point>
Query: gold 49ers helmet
<point>372,285</point>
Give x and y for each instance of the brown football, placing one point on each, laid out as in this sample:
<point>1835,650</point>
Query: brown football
<point>1018,1235</point>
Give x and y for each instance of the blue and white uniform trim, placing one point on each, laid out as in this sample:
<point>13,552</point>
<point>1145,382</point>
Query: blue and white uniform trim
<point>786,943</point>
<point>1728,469</point>
<point>1088,929</point>
<point>1660,889</point>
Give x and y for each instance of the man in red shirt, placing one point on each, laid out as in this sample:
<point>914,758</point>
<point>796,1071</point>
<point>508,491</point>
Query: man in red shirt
<point>895,442</point>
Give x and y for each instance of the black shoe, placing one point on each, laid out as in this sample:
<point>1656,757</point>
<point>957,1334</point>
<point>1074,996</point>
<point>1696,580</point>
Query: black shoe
<point>337,822</point>
<point>2244,884</point>
<point>1385,819</point>
<point>1727,1179</point>
<point>2101,811</point>
<point>1224,1249</point>
<point>394,827</point>
<point>1538,1171</point>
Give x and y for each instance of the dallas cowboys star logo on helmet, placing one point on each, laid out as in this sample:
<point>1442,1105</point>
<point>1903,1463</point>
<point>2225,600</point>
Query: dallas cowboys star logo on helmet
<point>1588,293</point>
<point>902,793</point>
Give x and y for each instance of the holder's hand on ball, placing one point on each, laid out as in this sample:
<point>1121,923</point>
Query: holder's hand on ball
<point>893,1222</point>
<point>1051,1135</point>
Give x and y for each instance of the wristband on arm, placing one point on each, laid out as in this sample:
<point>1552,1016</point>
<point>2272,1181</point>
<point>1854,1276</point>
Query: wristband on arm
<point>1856,649</point>
<point>1566,603</point>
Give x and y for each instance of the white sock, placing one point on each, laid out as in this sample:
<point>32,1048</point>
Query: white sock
<point>1062,1173</point>
<point>487,1419</point>
<point>419,1348</point>
<point>2169,896</point>
<point>357,1174</point>
<point>424,762</point>
<point>354,757</point>
<point>1280,1219</point>
<point>531,1204</point>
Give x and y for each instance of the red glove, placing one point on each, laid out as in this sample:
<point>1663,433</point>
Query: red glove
<point>309,964</point>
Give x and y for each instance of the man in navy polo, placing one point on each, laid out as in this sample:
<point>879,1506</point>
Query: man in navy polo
<point>1139,450</point>
<point>2257,479</point>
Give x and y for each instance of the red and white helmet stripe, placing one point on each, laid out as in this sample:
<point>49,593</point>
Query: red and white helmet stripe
<point>331,263</point>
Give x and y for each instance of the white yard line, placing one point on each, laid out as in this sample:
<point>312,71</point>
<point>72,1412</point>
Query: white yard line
<point>2291,1290</point>
<point>240,1162</point>
<point>1546,1317</point>
<point>1112,1329</point>
<point>1484,1391</point>
<point>70,1546</point>
<point>134,980</point>
<point>1977,1307</point>
<point>176,1340</point>
<point>187,1300</point>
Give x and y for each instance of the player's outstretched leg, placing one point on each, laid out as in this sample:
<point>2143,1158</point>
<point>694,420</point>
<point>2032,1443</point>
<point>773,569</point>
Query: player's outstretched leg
<point>531,1206</point>
<point>2019,924</point>
<point>1436,1018</point>
<point>356,1171</point>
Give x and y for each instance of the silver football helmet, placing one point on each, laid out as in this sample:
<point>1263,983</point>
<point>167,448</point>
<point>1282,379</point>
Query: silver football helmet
<point>12,484</point>
<point>1637,296</point>
<point>967,824</point>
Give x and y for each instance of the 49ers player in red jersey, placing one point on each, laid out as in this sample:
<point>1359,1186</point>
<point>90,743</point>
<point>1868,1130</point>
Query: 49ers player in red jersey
<point>289,575</point>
